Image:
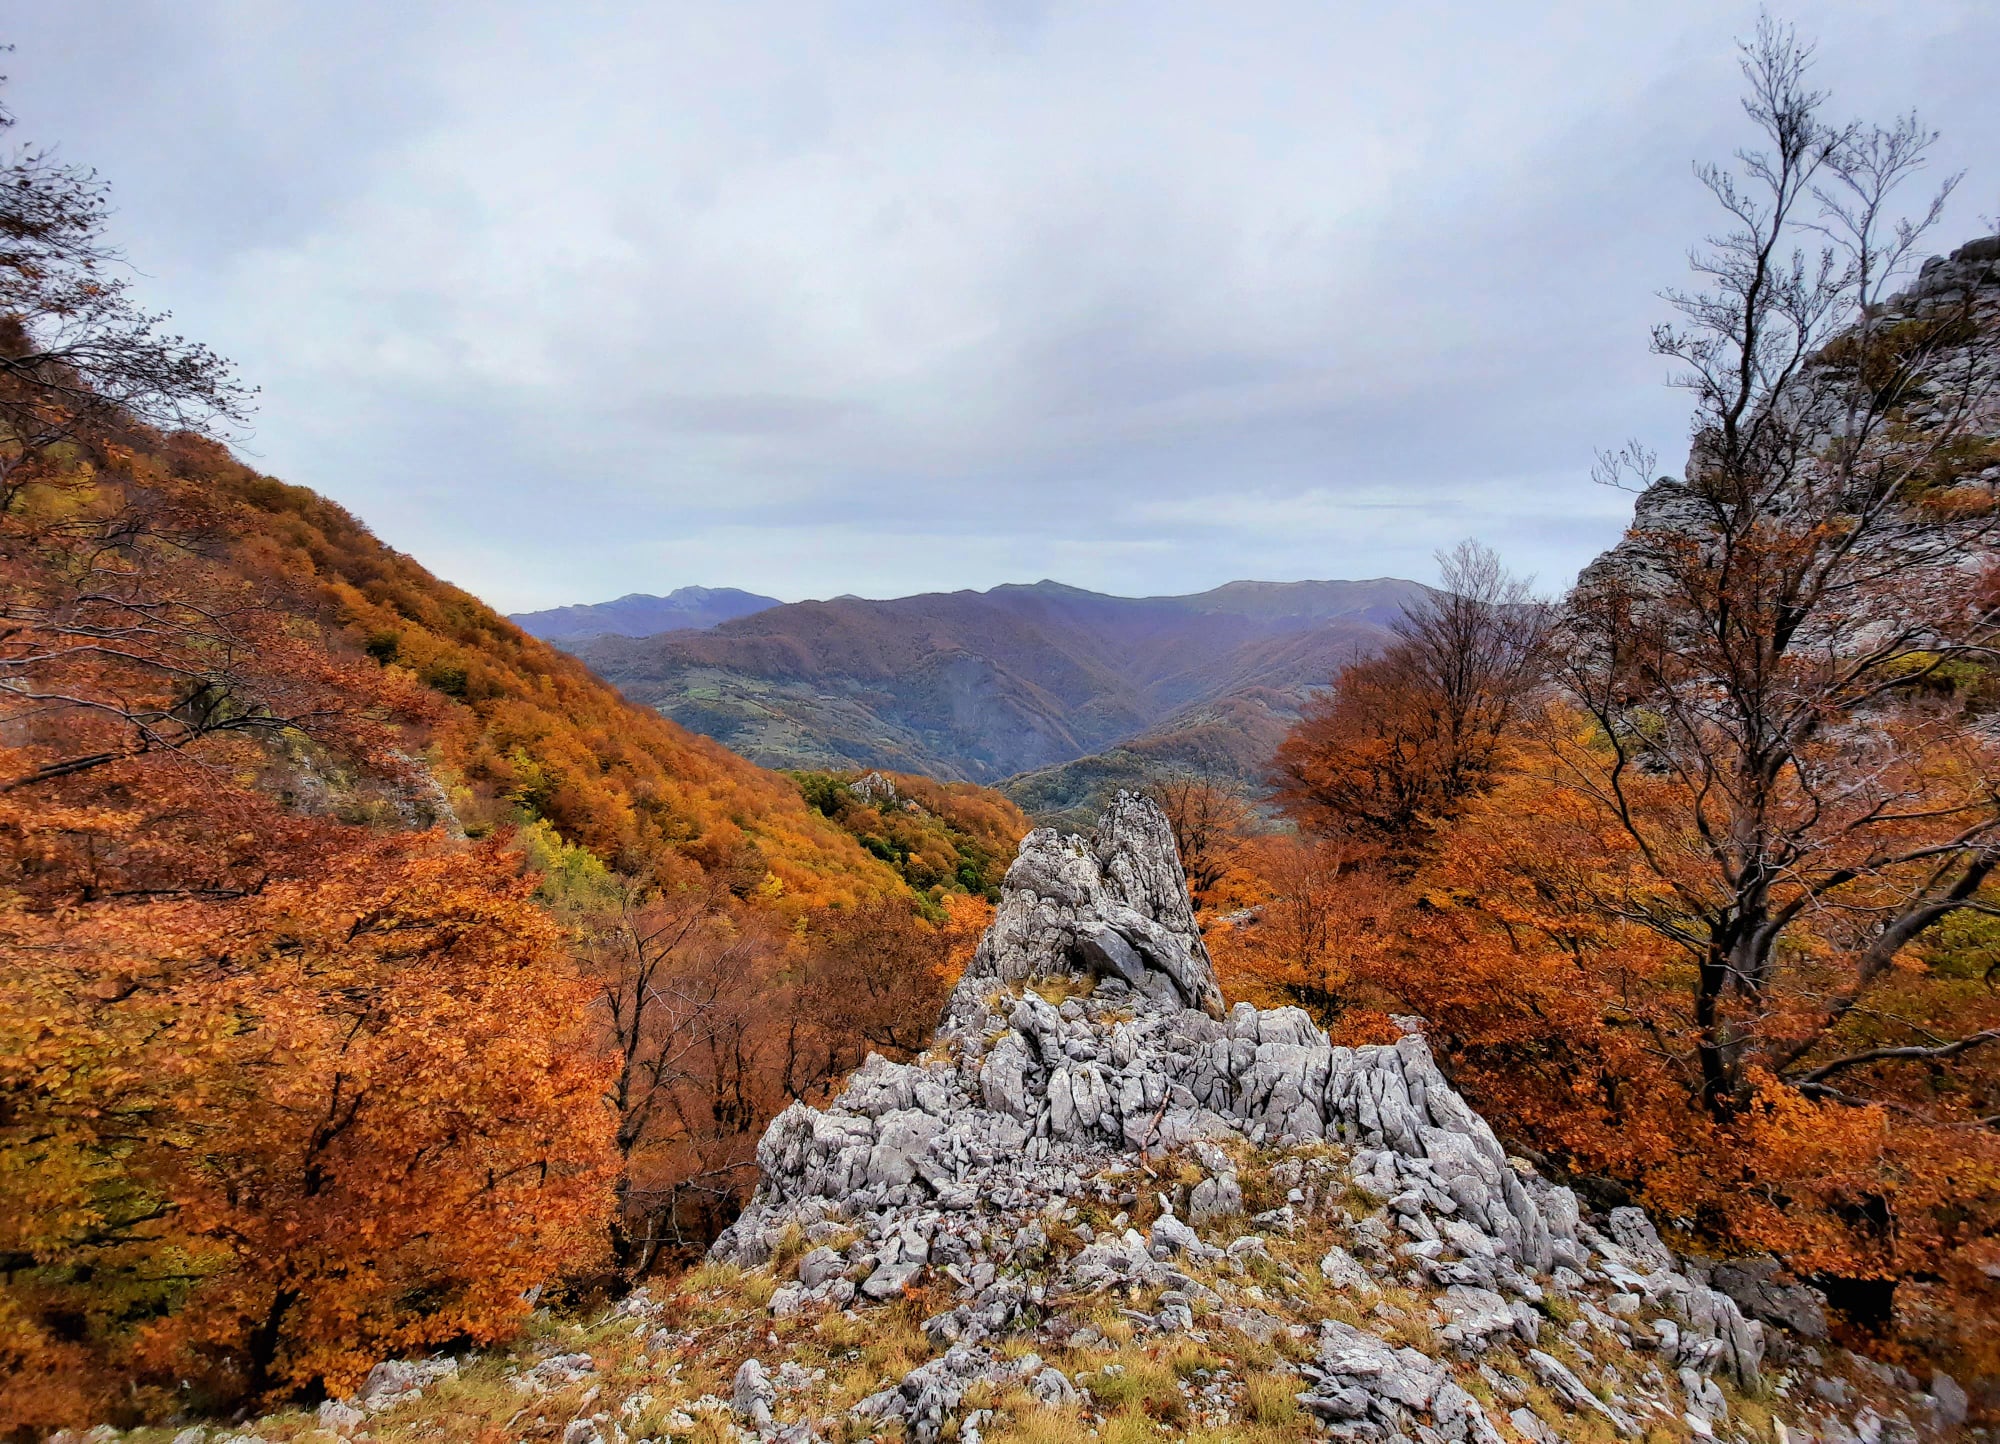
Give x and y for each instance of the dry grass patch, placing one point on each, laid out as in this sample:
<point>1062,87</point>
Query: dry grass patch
<point>792,1245</point>
<point>1027,1422</point>
<point>1272,1399</point>
<point>1058,988</point>
<point>1136,1384</point>
<point>1187,1358</point>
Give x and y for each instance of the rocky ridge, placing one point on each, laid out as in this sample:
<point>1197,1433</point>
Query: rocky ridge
<point>1084,1050</point>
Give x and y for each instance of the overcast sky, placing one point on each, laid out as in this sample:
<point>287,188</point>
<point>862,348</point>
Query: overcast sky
<point>575,300</point>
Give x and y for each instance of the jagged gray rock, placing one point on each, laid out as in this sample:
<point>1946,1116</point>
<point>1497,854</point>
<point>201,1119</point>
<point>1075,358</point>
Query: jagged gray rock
<point>1112,905</point>
<point>1961,377</point>
<point>950,1165</point>
<point>753,1396</point>
<point>1759,1287</point>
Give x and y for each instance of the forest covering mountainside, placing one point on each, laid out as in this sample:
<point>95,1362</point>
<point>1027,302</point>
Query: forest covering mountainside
<point>639,615</point>
<point>979,686</point>
<point>287,824</point>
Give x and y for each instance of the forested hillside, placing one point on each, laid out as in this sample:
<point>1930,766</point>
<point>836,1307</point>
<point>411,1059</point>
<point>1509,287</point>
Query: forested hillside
<point>938,835</point>
<point>1503,1018</point>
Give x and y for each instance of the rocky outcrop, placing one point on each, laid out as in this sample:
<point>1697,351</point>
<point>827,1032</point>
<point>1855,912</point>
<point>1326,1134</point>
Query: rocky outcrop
<point>1113,905</point>
<point>1959,388</point>
<point>1085,1040</point>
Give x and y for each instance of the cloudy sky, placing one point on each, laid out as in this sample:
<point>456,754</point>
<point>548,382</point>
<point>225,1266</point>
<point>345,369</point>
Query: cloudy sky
<point>575,300</point>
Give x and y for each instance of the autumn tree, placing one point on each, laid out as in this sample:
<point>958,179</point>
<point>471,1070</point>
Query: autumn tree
<point>1326,909</point>
<point>1570,1022</point>
<point>258,1141</point>
<point>1208,817</point>
<point>716,1019</point>
<point>1721,935</point>
<point>1405,738</point>
<point>875,978</point>
<point>1787,637</point>
<point>677,981</point>
<point>76,349</point>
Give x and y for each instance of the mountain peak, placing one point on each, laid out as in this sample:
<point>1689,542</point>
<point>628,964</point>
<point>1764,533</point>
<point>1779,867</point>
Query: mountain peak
<point>980,686</point>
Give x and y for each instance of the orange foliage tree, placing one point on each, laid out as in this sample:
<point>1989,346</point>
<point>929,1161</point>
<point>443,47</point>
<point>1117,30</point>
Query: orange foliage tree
<point>1406,738</point>
<point>286,1083</point>
<point>1209,818</point>
<point>292,1074</point>
<point>1776,671</point>
<point>719,1019</point>
<point>1322,910</point>
<point>1577,1027</point>
<point>259,1136</point>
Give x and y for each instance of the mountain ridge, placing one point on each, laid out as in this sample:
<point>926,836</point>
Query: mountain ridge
<point>640,614</point>
<point>980,686</point>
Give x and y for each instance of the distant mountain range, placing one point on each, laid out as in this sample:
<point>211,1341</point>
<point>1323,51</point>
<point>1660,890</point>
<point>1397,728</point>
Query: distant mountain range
<point>638,615</point>
<point>1082,691</point>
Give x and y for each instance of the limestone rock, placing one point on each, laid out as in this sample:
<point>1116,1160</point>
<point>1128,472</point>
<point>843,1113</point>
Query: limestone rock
<point>957,1168</point>
<point>337,1416</point>
<point>753,1395</point>
<point>1759,1287</point>
<point>1112,905</point>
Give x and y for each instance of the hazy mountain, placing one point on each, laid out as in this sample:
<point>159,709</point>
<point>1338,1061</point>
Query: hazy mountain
<point>639,615</point>
<point>984,685</point>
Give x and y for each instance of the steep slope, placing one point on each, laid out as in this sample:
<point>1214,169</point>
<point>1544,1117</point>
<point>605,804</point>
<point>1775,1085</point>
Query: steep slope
<point>294,1066</point>
<point>506,727</point>
<point>982,685</point>
<point>935,834</point>
<point>638,615</point>
<point>527,730</point>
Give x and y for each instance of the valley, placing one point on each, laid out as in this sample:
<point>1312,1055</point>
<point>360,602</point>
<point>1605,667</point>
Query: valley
<point>1395,1012</point>
<point>1078,688</point>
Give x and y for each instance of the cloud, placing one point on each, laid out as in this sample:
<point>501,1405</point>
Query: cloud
<point>583,300</point>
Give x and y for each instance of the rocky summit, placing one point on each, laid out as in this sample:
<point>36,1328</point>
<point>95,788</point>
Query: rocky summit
<point>1085,1070</point>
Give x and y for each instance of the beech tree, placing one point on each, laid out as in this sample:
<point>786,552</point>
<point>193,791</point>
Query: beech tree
<point>1208,818</point>
<point>1326,917</point>
<point>670,972</point>
<point>1791,637</point>
<point>1407,737</point>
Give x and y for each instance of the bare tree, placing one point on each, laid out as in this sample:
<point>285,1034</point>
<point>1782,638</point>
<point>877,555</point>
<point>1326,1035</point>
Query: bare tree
<point>116,649</point>
<point>76,350</point>
<point>1769,656</point>
<point>670,972</point>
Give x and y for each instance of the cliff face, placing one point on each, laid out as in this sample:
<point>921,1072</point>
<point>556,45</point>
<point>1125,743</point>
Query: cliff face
<point>1084,1065</point>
